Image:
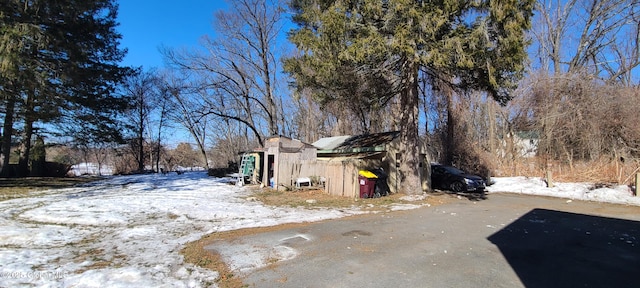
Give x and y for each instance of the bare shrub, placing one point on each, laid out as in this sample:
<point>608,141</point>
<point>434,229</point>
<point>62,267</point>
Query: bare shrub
<point>585,129</point>
<point>588,129</point>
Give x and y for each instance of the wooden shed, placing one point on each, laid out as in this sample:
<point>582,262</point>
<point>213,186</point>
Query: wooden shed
<point>283,159</point>
<point>331,163</point>
<point>364,152</point>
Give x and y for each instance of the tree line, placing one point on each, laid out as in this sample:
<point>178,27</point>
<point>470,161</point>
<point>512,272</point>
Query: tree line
<point>469,78</point>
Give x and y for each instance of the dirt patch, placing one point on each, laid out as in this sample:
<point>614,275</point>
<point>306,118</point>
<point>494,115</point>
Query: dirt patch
<point>195,253</point>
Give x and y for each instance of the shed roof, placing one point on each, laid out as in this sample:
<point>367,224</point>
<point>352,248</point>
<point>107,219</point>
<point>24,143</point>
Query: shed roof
<point>368,140</point>
<point>330,143</point>
<point>358,143</point>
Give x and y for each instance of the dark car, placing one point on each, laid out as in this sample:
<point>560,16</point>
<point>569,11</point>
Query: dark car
<point>453,179</point>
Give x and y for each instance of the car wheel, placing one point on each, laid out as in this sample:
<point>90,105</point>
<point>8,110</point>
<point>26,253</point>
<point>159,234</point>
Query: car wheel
<point>457,187</point>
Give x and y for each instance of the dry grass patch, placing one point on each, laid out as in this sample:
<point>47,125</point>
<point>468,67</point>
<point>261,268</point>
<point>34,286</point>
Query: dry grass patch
<point>320,199</point>
<point>300,198</point>
<point>94,255</point>
<point>195,253</point>
<point>11,188</point>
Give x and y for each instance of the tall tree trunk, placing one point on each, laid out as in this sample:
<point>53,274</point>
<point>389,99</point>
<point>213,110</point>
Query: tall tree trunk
<point>201,148</point>
<point>450,144</point>
<point>271,101</point>
<point>410,178</point>
<point>491,116</point>
<point>6,136</point>
<point>25,149</point>
<point>158,145</point>
<point>140,135</point>
<point>38,158</point>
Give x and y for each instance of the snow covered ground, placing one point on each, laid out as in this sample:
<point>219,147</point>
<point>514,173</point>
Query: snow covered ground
<point>127,231</point>
<point>572,191</point>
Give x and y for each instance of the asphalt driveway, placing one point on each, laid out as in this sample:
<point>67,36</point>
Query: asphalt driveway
<point>507,240</point>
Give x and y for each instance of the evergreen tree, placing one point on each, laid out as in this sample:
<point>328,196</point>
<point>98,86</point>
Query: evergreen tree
<point>38,158</point>
<point>59,65</point>
<point>459,44</point>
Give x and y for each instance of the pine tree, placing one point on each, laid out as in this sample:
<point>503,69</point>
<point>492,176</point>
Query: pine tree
<point>469,44</point>
<point>59,64</point>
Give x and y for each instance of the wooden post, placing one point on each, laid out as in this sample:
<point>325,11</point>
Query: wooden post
<point>549,180</point>
<point>637,184</point>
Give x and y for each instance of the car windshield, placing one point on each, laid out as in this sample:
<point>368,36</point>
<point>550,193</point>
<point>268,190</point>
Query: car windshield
<point>453,170</point>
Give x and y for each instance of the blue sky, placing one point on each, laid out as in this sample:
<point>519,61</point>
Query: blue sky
<point>146,25</point>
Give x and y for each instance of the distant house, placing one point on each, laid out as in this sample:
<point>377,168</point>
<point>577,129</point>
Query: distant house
<point>90,169</point>
<point>527,143</point>
<point>522,143</point>
<point>332,162</point>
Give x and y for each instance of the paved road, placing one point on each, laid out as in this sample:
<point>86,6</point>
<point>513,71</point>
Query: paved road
<point>507,240</point>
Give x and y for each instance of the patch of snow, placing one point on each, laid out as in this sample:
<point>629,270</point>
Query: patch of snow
<point>413,197</point>
<point>574,191</point>
<point>90,169</point>
<point>400,207</point>
<point>128,230</point>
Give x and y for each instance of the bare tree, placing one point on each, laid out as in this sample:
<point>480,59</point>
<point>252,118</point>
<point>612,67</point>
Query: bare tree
<point>160,120</point>
<point>231,140</point>
<point>141,89</point>
<point>185,156</point>
<point>235,73</point>
<point>598,36</point>
<point>186,110</point>
<point>250,33</point>
<point>311,122</point>
<point>589,47</point>
<point>581,118</point>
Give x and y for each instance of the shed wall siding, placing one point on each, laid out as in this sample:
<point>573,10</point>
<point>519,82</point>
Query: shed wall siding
<point>341,177</point>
